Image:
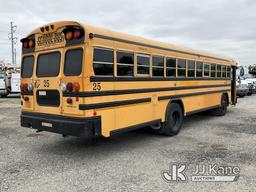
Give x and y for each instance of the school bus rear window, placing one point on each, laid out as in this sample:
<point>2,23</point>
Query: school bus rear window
<point>48,64</point>
<point>27,66</point>
<point>73,62</point>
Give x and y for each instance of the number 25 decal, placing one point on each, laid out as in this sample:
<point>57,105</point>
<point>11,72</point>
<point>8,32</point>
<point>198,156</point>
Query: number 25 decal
<point>96,86</point>
<point>46,83</point>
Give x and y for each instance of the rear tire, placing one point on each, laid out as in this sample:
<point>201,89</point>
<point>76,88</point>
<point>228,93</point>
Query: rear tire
<point>4,95</point>
<point>222,110</point>
<point>173,120</point>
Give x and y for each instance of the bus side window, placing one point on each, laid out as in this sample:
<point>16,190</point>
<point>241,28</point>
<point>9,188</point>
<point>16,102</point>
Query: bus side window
<point>206,70</point>
<point>218,70</point>
<point>191,68</point>
<point>158,66</point>
<point>103,62</point>
<point>181,68</point>
<point>228,72</point>
<point>125,63</point>
<point>143,65</point>
<point>213,70</point>
<point>170,67</point>
<point>199,69</point>
<point>224,71</point>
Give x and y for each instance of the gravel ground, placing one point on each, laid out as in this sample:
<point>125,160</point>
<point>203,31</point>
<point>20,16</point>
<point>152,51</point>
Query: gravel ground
<point>132,161</point>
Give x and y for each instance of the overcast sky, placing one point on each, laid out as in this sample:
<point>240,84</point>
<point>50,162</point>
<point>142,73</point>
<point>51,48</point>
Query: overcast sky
<point>226,27</point>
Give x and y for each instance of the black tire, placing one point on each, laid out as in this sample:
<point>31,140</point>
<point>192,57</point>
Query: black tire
<point>4,96</point>
<point>173,120</point>
<point>222,110</point>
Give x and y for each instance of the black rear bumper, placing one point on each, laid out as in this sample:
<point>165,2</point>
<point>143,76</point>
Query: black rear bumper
<point>74,126</point>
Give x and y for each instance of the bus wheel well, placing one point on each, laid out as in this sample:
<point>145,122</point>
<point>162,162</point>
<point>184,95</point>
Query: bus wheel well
<point>226,94</point>
<point>180,103</point>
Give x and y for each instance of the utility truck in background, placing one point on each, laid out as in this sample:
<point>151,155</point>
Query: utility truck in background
<point>9,83</point>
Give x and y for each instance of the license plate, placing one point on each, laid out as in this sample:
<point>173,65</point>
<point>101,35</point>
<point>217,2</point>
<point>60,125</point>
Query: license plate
<point>44,124</point>
<point>42,93</point>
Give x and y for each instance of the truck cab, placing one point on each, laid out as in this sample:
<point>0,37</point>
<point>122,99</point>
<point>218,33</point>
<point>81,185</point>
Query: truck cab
<point>3,88</point>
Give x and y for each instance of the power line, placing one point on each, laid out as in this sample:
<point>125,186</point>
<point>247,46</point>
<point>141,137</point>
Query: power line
<point>13,41</point>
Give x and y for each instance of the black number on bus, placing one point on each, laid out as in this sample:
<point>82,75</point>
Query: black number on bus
<point>96,86</point>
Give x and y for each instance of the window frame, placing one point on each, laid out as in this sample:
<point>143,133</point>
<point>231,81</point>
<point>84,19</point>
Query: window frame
<point>189,69</point>
<point>219,71</point>
<point>215,70</point>
<point>149,65</point>
<point>177,64</point>
<point>224,72</point>
<point>229,71</point>
<point>171,68</point>
<point>158,67</point>
<point>124,64</point>
<point>209,69</point>
<point>73,49</point>
<point>201,70</point>
<point>102,62</point>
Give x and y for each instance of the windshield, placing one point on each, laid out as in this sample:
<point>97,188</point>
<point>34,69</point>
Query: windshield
<point>48,64</point>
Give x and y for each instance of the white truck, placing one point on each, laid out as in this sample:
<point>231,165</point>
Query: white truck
<point>3,88</point>
<point>9,83</point>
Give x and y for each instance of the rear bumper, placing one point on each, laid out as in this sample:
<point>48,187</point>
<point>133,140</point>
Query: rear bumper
<point>81,127</point>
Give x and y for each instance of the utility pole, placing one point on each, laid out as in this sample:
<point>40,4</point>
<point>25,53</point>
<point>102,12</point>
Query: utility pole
<point>13,41</point>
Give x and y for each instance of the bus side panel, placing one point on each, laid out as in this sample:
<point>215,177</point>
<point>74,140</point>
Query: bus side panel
<point>133,115</point>
<point>201,102</point>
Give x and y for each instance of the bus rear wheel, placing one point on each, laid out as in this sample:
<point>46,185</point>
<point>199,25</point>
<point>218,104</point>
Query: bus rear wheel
<point>173,120</point>
<point>222,109</point>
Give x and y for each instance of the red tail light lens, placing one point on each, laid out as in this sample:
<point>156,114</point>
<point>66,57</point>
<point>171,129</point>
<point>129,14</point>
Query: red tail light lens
<point>31,43</point>
<point>69,35</point>
<point>25,44</point>
<point>73,87</point>
<point>76,87</point>
<point>24,87</point>
<point>77,34</point>
<point>69,87</point>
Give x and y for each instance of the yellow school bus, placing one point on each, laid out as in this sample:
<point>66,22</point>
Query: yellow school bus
<point>84,81</point>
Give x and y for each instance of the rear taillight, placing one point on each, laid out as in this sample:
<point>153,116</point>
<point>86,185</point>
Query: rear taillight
<point>76,87</point>
<point>77,34</point>
<point>70,87</point>
<point>25,44</point>
<point>69,35</point>
<point>28,43</point>
<point>73,34</point>
<point>31,43</point>
<point>24,87</point>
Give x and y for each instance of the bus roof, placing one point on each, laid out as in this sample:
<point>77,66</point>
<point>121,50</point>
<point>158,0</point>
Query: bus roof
<point>108,34</point>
